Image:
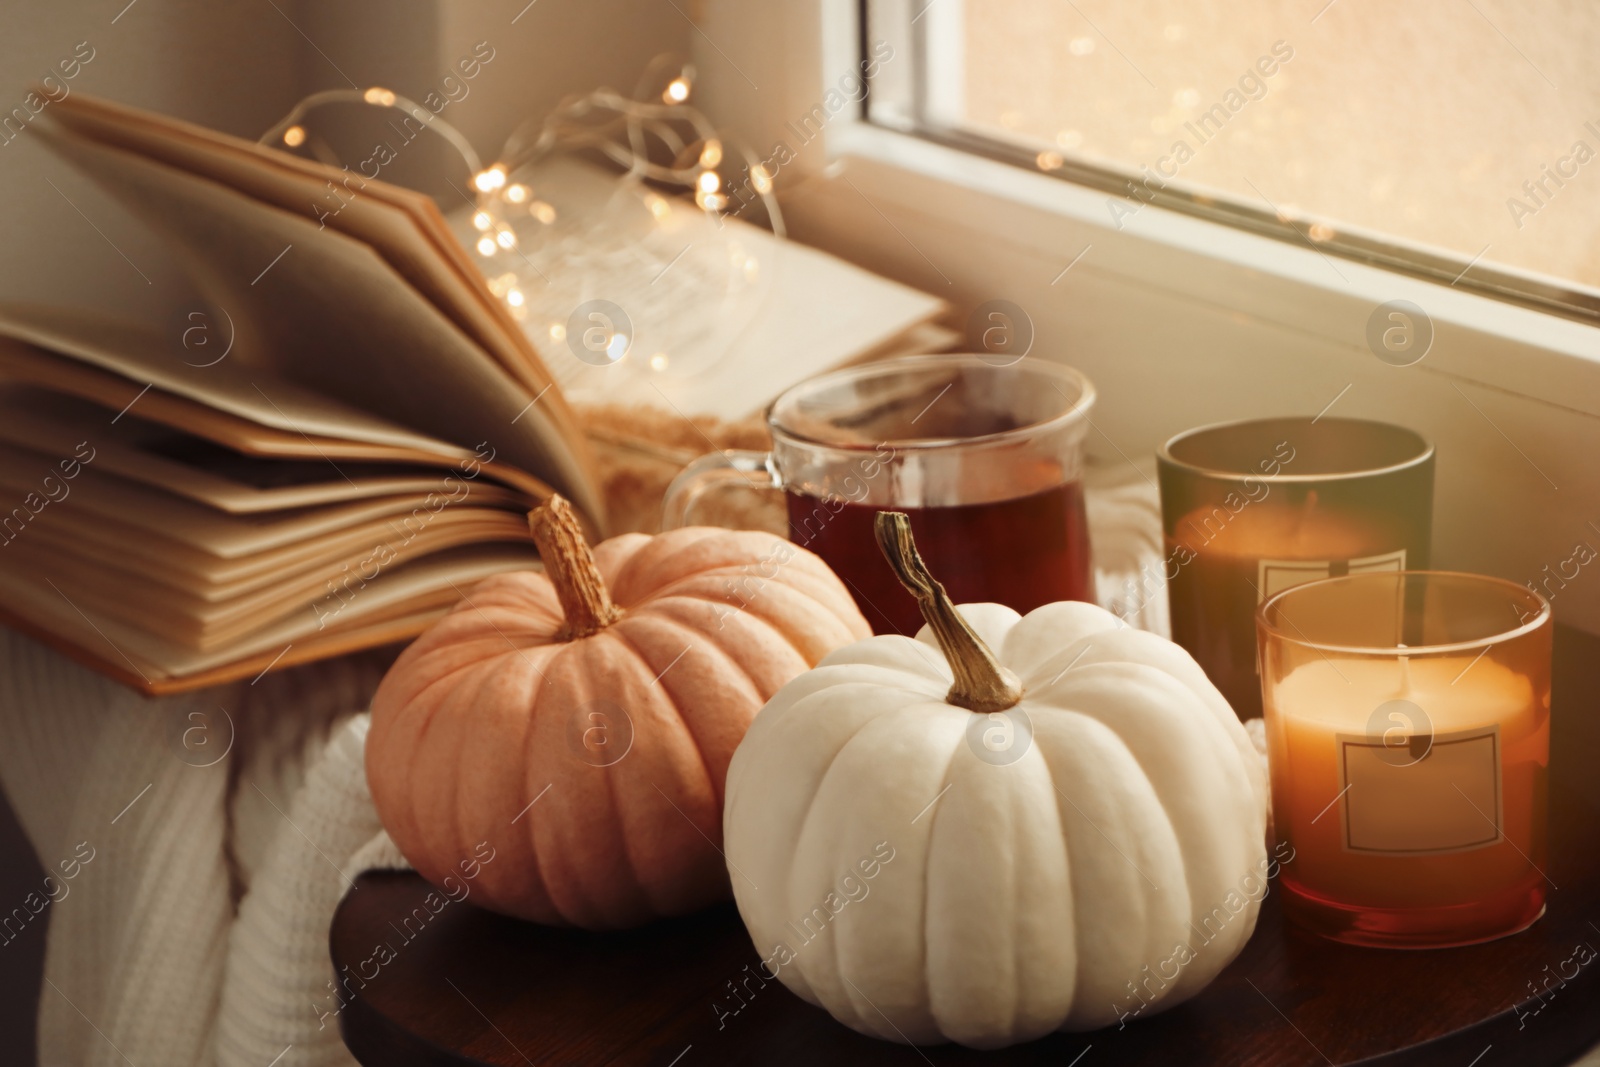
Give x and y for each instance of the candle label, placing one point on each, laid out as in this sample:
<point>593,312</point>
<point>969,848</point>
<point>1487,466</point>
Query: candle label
<point>1273,576</point>
<point>1421,795</point>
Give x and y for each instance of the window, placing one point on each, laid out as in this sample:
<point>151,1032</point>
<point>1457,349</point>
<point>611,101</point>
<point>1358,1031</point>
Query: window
<point>1208,306</point>
<point>1453,140</point>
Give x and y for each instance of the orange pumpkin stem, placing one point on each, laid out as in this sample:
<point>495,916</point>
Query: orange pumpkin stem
<point>569,564</point>
<point>981,683</point>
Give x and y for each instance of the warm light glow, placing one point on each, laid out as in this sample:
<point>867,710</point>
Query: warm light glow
<point>482,220</point>
<point>658,361</point>
<point>506,238</point>
<point>514,298</point>
<point>710,201</point>
<point>1321,231</point>
<point>490,180</point>
<point>677,91</point>
<point>558,331</point>
<point>709,181</point>
<point>1380,758</point>
<point>658,207</point>
<point>380,96</point>
<point>294,136</point>
<point>711,154</point>
<point>544,212</point>
<point>517,193</point>
<point>760,179</point>
<point>1049,160</point>
<point>486,246</point>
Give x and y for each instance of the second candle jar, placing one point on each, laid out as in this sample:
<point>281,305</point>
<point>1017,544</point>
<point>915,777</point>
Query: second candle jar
<point>1252,508</point>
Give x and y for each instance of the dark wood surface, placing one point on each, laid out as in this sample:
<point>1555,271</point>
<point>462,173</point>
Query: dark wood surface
<point>21,955</point>
<point>475,988</point>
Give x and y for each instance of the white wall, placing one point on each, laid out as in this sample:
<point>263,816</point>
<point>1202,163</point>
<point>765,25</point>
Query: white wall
<point>230,68</point>
<point>239,67</point>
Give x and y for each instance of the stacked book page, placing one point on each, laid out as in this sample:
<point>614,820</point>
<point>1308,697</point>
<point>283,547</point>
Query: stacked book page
<point>356,443</point>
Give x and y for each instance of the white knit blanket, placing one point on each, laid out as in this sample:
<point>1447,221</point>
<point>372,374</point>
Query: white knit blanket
<point>220,828</point>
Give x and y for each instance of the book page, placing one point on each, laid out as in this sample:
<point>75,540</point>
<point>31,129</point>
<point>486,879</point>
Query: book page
<point>400,224</point>
<point>144,513</point>
<point>194,467</point>
<point>20,363</point>
<point>357,331</point>
<point>91,536</point>
<point>321,590</point>
<point>398,606</point>
<point>811,312</point>
<point>256,393</point>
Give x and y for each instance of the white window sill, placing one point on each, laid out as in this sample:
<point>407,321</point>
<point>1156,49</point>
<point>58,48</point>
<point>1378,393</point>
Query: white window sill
<point>1477,339</point>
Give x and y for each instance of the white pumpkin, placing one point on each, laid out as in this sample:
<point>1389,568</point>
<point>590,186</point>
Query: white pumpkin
<point>925,872</point>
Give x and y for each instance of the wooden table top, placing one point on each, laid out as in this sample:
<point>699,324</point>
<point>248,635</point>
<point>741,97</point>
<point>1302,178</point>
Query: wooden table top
<point>477,988</point>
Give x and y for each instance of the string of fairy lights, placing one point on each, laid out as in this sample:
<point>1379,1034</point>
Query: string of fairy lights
<point>654,135</point>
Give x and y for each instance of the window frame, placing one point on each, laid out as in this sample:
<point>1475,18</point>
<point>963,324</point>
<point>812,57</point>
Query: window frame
<point>930,107</point>
<point>1514,389</point>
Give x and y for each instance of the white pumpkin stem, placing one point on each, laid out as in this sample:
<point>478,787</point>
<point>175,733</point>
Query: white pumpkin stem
<point>981,683</point>
<point>585,602</point>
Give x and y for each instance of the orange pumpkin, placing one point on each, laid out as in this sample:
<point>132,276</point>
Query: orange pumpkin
<point>581,721</point>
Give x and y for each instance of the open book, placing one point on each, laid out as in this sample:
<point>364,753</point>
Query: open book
<point>356,441</point>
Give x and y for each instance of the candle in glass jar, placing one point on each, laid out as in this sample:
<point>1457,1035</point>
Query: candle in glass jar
<point>1408,741</point>
<point>1252,508</point>
<point>1437,760</point>
<point>1233,560</point>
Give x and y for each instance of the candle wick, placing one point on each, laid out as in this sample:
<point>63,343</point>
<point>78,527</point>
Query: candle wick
<point>1304,513</point>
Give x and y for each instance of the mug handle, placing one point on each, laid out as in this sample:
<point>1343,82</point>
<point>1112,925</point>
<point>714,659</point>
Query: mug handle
<point>718,470</point>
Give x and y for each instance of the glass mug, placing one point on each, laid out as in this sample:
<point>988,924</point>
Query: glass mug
<point>987,461</point>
